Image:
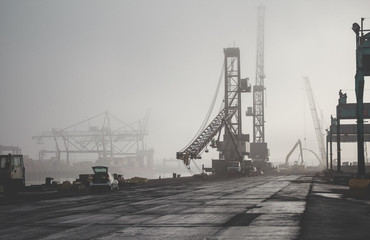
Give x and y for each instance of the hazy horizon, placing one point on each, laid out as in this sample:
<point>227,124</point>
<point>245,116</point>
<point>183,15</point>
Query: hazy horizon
<point>62,62</point>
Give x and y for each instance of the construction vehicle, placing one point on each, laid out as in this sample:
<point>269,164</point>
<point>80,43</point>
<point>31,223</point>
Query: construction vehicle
<point>12,173</point>
<point>298,143</point>
<point>296,167</point>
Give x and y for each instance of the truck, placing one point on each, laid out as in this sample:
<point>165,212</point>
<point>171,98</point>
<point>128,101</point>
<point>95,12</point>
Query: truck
<point>243,168</point>
<point>12,173</point>
<point>234,169</point>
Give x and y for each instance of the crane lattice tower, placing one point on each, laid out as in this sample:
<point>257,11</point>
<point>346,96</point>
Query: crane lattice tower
<point>259,149</point>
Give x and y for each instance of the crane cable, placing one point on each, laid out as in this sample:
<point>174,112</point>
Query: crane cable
<point>191,172</point>
<point>205,121</point>
<point>197,167</point>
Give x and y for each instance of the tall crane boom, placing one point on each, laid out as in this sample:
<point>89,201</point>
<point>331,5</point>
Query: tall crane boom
<point>259,88</point>
<point>259,151</point>
<point>205,137</point>
<point>315,119</point>
<point>235,144</point>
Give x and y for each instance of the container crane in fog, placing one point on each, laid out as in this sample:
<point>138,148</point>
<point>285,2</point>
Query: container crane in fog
<point>96,136</point>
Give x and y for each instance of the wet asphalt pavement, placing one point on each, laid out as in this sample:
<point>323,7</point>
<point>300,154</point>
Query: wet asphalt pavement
<point>265,207</point>
<point>331,213</point>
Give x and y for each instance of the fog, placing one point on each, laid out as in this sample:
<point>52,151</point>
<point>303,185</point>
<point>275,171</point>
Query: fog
<point>64,61</point>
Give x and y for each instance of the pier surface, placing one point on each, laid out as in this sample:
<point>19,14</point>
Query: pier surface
<point>264,207</point>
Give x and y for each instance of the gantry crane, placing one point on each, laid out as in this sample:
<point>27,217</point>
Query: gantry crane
<point>108,143</point>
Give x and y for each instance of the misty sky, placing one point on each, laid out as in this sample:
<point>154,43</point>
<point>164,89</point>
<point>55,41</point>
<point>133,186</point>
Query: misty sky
<point>64,61</point>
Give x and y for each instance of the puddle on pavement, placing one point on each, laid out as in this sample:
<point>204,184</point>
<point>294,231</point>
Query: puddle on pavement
<point>330,195</point>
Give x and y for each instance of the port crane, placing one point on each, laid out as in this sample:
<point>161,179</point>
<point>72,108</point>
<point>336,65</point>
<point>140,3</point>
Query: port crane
<point>103,135</point>
<point>259,151</point>
<point>316,121</point>
<point>235,144</point>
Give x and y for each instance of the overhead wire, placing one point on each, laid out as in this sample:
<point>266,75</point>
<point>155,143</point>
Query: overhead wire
<point>191,172</point>
<point>205,121</point>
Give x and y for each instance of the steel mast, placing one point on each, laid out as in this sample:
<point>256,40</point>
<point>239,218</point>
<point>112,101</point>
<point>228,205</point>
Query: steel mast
<point>258,89</point>
<point>259,149</point>
<point>232,105</point>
